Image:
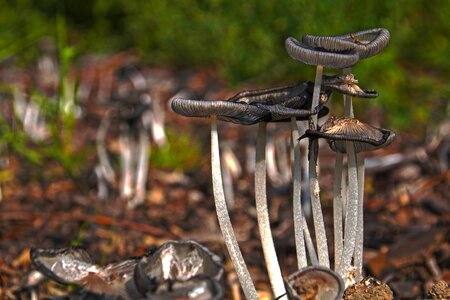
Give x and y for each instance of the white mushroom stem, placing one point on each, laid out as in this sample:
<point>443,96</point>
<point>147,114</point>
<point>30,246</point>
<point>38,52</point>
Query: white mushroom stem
<point>319,226</point>
<point>142,169</point>
<point>309,244</point>
<point>126,157</point>
<point>359,244</point>
<point>297,194</point>
<point>348,107</point>
<point>337,209</point>
<point>351,213</point>
<point>262,212</point>
<point>224,219</point>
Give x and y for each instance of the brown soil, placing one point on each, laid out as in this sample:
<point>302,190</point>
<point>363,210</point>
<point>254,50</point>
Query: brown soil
<point>439,290</point>
<point>368,289</point>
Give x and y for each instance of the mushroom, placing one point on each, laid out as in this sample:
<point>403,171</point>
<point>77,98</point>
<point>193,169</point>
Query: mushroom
<point>347,84</point>
<point>339,134</point>
<point>319,58</point>
<point>315,282</point>
<point>75,266</point>
<point>177,268</point>
<point>250,107</point>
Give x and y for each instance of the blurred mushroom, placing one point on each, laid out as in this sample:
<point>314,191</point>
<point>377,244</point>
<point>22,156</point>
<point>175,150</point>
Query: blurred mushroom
<point>339,133</point>
<point>179,269</point>
<point>316,282</point>
<point>320,58</point>
<point>75,266</point>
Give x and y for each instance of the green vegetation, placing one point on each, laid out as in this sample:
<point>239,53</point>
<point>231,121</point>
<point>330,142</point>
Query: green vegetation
<point>245,40</point>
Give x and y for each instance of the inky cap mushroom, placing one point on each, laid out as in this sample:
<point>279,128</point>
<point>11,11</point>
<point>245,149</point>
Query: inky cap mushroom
<point>315,282</point>
<point>319,56</point>
<point>176,261</point>
<point>346,84</point>
<point>250,107</point>
<point>364,136</point>
<point>367,43</point>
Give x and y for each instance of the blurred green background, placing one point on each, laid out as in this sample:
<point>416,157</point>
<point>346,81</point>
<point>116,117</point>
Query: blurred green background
<point>244,40</point>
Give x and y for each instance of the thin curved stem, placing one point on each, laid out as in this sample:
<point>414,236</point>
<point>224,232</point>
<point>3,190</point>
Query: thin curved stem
<point>351,213</point>
<point>270,255</point>
<point>337,210</point>
<point>224,219</point>
<point>297,195</point>
<point>309,244</point>
<point>319,226</point>
<point>142,169</point>
<point>359,244</point>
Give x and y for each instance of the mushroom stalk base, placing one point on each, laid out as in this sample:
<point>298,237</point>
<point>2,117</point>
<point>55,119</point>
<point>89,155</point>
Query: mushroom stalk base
<point>270,255</point>
<point>297,201</point>
<point>224,219</point>
<point>337,210</point>
<point>359,244</point>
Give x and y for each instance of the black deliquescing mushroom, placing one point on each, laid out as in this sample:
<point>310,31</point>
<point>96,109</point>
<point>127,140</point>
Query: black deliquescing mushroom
<point>339,133</point>
<point>315,282</point>
<point>347,84</point>
<point>320,58</point>
<point>250,107</point>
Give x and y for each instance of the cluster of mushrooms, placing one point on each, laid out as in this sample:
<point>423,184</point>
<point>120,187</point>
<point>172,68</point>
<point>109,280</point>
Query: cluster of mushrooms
<point>176,270</point>
<point>347,135</point>
<point>186,270</point>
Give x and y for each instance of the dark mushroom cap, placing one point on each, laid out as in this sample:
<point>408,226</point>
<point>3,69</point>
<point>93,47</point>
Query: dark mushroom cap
<point>364,136</point>
<point>346,84</point>
<point>315,282</point>
<point>250,107</point>
<point>367,43</point>
<point>320,56</point>
<point>176,260</point>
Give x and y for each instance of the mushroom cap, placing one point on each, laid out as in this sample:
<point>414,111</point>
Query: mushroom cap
<point>364,136</point>
<point>179,261</point>
<point>319,56</point>
<point>315,282</point>
<point>367,42</point>
<point>346,84</point>
<point>74,266</point>
<point>250,107</point>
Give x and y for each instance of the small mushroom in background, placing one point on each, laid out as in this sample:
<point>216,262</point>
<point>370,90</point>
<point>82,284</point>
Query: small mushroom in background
<point>137,113</point>
<point>339,132</point>
<point>320,58</point>
<point>315,282</point>
<point>246,108</point>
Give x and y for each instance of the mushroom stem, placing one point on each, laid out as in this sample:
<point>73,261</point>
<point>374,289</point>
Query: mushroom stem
<point>348,106</point>
<point>337,209</point>
<point>359,244</point>
<point>270,255</point>
<point>351,213</point>
<point>126,157</point>
<point>297,194</point>
<point>309,244</point>
<point>142,169</point>
<point>224,218</point>
<point>319,226</point>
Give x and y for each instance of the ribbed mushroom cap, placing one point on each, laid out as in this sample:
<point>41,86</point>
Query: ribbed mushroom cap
<point>364,136</point>
<point>367,42</point>
<point>250,107</point>
<point>320,56</point>
<point>346,84</point>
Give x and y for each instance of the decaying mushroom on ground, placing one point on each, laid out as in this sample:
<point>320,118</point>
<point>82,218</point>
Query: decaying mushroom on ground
<point>250,107</point>
<point>340,132</point>
<point>177,270</point>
